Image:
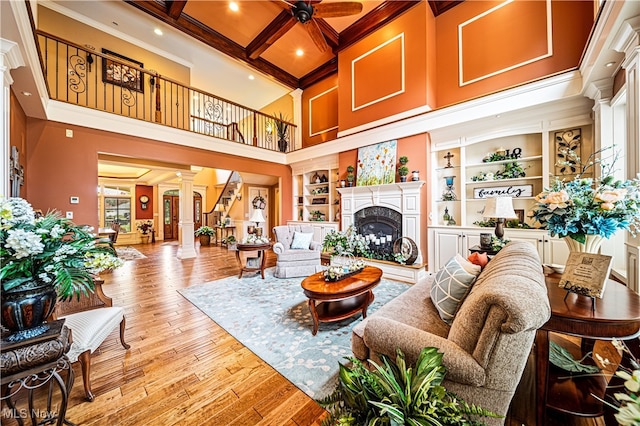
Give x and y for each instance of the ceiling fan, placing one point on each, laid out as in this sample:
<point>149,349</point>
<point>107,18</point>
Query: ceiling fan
<point>306,12</point>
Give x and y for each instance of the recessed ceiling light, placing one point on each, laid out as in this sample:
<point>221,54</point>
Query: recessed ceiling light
<point>251,77</point>
<point>26,93</point>
<point>299,52</point>
<point>234,6</point>
<point>609,64</point>
<point>158,31</point>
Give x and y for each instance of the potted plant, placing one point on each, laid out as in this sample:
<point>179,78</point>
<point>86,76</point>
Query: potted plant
<point>145,227</point>
<point>350,175</point>
<point>204,233</point>
<point>282,129</point>
<point>403,160</point>
<point>44,259</point>
<point>397,394</point>
<point>231,242</point>
<point>403,171</point>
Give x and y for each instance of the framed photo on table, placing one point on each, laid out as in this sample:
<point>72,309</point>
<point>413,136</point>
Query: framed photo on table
<point>122,71</point>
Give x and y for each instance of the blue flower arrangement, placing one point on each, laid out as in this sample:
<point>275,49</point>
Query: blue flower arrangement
<point>587,206</point>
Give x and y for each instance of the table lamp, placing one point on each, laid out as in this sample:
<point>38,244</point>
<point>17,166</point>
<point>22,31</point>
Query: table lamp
<point>257,217</point>
<point>499,208</point>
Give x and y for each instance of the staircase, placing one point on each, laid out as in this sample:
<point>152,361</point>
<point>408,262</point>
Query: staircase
<point>227,197</point>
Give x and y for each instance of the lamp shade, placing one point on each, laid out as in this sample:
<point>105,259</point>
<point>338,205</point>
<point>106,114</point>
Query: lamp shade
<point>219,207</point>
<point>257,216</point>
<point>499,208</point>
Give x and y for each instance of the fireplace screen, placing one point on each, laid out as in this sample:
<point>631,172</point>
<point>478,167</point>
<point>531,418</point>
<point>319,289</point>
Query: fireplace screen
<point>381,226</point>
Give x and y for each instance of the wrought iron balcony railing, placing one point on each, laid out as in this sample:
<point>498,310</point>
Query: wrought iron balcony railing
<point>111,83</point>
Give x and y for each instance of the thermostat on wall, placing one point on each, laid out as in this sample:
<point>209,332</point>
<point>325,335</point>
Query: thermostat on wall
<point>74,200</point>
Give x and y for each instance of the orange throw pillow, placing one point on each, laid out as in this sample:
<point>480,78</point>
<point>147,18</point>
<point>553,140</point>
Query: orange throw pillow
<point>480,259</point>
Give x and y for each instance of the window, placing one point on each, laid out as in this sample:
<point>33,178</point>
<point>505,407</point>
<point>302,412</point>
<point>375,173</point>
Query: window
<point>117,207</point>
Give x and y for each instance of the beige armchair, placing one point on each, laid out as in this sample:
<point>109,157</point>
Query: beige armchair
<point>487,345</point>
<point>298,255</point>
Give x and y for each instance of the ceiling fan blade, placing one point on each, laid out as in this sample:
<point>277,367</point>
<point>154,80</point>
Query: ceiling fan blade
<point>337,9</point>
<point>316,35</point>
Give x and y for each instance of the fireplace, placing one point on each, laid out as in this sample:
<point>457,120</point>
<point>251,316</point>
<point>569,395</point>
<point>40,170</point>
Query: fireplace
<point>383,210</point>
<point>381,226</point>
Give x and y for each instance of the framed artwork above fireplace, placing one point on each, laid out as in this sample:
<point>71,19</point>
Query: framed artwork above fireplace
<point>377,164</point>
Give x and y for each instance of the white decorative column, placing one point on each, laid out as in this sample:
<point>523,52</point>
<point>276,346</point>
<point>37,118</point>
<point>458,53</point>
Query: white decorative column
<point>187,248</point>
<point>297,117</point>
<point>627,41</point>
<point>10,58</point>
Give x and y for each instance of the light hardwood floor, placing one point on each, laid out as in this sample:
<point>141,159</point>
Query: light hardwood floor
<point>183,368</point>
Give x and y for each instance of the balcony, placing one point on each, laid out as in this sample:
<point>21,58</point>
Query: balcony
<point>111,83</point>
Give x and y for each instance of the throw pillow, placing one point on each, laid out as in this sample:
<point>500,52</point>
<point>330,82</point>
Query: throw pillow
<point>480,259</point>
<point>301,240</point>
<point>451,285</point>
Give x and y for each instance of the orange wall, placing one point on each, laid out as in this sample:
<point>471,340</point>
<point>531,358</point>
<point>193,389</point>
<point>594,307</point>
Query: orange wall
<point>320,111</point>
<point>148,212</point>
<point>60,167</point>
<point>510,35</point>
<point>378,74</point>
<point>18,138</point>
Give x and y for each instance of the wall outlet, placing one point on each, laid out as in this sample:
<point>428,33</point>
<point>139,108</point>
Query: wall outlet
<point>69,215</point>
<point>69,133</point>
<point>74,200</point>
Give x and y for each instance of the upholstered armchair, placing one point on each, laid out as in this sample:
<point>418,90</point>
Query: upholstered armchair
<point>486,344</point>
<point>298,255</point>
<point>91,319</point>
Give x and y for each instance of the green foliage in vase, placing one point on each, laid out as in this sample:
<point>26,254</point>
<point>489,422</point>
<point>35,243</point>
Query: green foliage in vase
<point>49,250</point>
<point>204,230</point>
<point>397,394</point>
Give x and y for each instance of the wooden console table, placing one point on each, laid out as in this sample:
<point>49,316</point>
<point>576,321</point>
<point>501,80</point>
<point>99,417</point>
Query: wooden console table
<point>34,363</point>
<point>226,230</point>
<point>616,315</point>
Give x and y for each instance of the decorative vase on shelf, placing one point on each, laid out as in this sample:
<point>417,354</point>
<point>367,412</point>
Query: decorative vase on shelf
<point>591,245</point>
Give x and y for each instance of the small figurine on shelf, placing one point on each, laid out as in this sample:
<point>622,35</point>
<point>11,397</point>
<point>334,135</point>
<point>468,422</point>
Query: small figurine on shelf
<point>449,156</point>
<point>446,217</point>
<point>316,178</point>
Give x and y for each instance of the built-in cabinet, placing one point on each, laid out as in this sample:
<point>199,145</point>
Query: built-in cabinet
<point>446,242</point>
<point>316,200</point>
<point>517,158</point>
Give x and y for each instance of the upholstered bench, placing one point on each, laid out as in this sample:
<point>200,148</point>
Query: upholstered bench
<point>91,320</point>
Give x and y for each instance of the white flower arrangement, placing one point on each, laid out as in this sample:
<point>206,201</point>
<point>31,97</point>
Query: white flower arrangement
<point>254,239</point>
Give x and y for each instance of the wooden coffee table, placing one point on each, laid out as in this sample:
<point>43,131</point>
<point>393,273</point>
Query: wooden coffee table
<point>335,301</point>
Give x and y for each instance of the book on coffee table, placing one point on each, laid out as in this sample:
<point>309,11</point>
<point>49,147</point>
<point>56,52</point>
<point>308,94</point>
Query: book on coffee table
<point>586,273</point>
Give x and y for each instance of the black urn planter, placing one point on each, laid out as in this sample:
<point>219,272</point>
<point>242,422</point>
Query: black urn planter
<point>24,311</point>
<point>283,145</point>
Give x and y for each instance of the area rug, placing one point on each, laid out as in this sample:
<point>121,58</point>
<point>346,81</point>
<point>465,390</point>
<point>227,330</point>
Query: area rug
<point>271,318</point>
<point>129,253</point>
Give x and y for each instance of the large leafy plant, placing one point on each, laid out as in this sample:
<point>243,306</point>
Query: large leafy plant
<point>395,394</point>
<point>49,250</point>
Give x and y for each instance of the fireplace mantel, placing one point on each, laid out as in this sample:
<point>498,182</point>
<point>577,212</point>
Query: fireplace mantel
<point>403,197</point>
